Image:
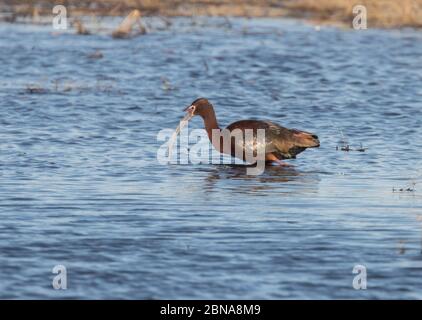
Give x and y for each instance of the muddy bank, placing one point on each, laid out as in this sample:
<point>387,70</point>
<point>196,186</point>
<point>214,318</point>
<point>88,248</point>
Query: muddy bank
<point>252,8</point>
<point>381,13</point>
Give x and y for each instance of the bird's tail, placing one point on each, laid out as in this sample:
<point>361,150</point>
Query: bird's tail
<point>305,139</point>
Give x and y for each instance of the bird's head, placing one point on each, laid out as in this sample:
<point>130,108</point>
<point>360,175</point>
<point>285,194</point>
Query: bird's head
<point>199,107</point>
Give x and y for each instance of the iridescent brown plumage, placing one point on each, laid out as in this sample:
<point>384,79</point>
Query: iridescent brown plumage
<point>280,143</point>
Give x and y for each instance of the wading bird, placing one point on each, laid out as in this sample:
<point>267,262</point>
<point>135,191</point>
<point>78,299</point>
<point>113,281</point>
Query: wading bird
<point>280,143</point>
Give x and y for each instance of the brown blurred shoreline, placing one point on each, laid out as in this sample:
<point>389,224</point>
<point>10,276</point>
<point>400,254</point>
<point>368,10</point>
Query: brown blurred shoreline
<point>381,13</point>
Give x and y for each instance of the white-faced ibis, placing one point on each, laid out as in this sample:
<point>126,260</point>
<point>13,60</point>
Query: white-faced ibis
<point>280,143</point>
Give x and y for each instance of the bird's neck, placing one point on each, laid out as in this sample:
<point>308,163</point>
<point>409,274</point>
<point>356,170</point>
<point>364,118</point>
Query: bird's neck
<point>210,122</point>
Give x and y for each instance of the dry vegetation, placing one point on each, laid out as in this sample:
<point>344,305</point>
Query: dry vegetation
<point>381,13</point>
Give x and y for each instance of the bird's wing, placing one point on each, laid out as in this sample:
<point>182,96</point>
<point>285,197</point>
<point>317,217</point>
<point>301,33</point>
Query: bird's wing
<point>272,132</point>
<point>278,137</point>
<point>284,143</point>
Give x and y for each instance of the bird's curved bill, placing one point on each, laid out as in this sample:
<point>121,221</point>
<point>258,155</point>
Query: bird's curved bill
<point>190,113</point>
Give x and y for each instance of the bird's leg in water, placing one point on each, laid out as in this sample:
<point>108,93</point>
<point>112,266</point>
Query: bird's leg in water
<point>273,158</point>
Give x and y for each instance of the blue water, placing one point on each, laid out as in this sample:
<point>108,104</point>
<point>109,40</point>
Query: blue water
<point>80,184</point>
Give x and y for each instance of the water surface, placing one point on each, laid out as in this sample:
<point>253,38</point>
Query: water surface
<point>80,184</point>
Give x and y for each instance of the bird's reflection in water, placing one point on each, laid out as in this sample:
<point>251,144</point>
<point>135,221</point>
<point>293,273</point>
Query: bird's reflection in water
<point>284,180</point>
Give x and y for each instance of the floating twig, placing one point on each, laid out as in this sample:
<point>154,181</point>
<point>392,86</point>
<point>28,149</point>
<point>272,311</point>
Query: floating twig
<point>96,55</point>
<point>124,30</point>
<point>206,65</point>
<point>406,189</point>
<point>80,28</point>
<point>361,149</point>
<point>348,148</point>
<point>345,146</point>
<point>34,89</point>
